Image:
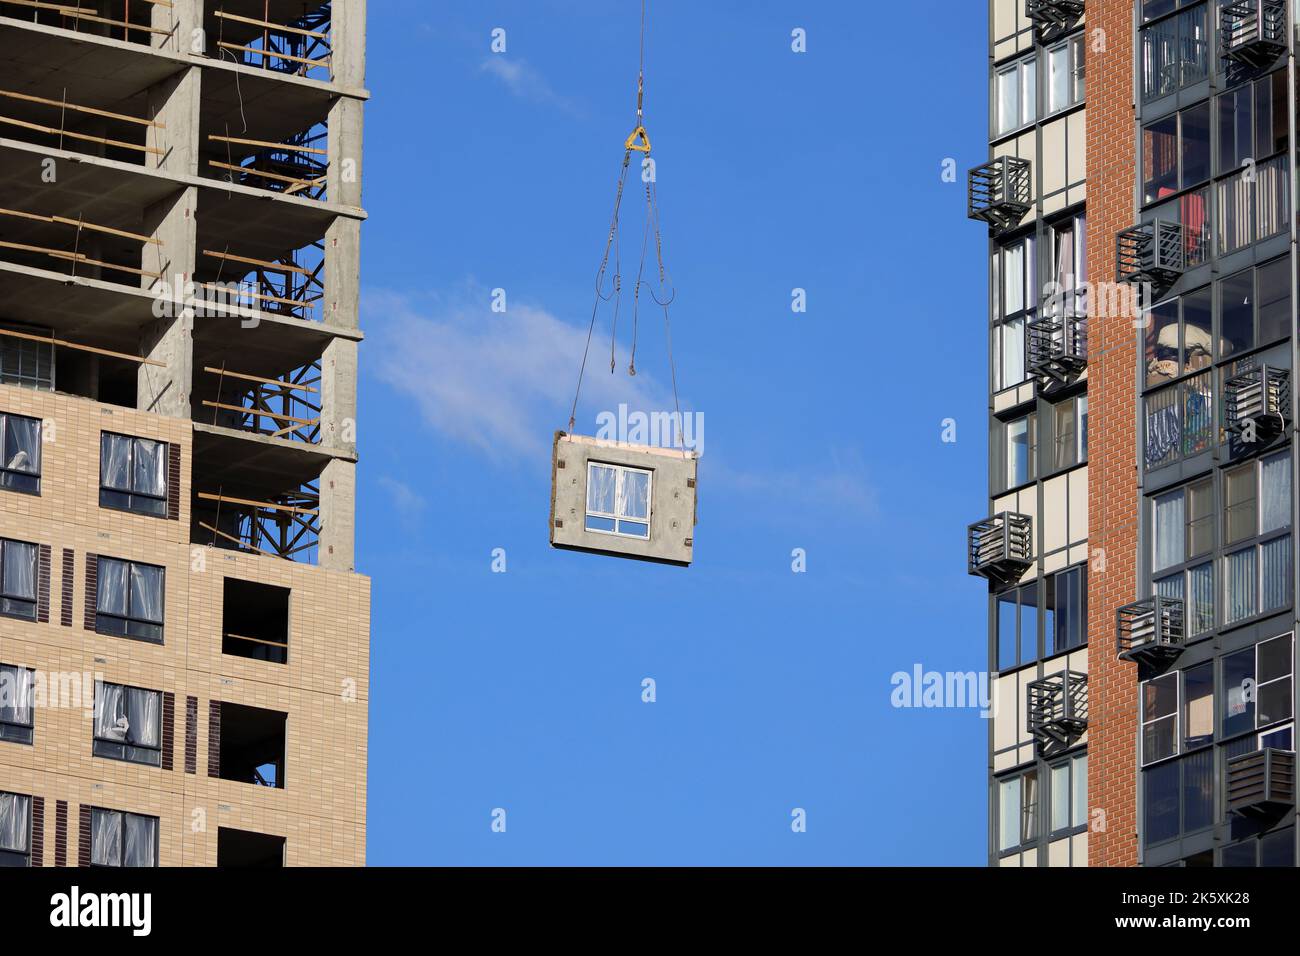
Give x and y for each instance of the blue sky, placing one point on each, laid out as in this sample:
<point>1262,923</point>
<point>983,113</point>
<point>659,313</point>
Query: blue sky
<point>522,690</point>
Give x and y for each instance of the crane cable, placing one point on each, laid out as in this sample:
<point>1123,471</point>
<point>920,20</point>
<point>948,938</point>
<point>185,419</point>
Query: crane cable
<point>638,141</point>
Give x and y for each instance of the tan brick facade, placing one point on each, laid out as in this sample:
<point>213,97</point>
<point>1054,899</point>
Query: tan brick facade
<point>1113,481</point>
<point>323,688</point>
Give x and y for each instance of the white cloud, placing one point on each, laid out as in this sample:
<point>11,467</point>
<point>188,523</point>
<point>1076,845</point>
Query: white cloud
<point>525,82</point>
<point>406,501</point>
<point>502,382</point>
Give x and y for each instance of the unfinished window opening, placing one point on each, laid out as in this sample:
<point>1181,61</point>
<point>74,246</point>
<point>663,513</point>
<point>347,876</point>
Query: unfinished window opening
<point>74,119</point>
<point>287,407</point>
<point>618,500</point>
<point>133,474</point>
<point>289,284</point>
<point>298,166</point>
<point>252,745</point>
<point>129,600</point>
<point>255,621</point>
<point>16,704</point>
<point>285,525</point>
<point>26,357</point>
<point>245,849</point>
<point>20,458</point>
<point>122,839</point>
<point>15,829</point>
<point>115,19</point>
<point>272,38</point>
<point>128,724</point>
<point>64,240</point>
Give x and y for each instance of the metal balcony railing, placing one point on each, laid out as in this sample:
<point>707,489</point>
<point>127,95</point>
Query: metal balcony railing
<point>1000,547</point>
<point>1252,33</point>
<point>1057,346</point>
<point>1057,709</point>
<point>1051,16</point>
<point>1257,403</point>
<point>1152,252</point>
<point>1150,631</point>
<point>999,192</point>
<point>1261,782</point>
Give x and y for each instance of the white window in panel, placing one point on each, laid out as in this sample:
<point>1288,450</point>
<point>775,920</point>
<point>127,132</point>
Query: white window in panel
<point>618,500</point>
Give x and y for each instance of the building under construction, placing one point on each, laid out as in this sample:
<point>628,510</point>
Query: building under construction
<point>184,642</point>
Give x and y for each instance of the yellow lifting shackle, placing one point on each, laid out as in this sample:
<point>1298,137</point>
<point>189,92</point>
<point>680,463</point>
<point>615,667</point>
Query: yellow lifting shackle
<point>631,143</point>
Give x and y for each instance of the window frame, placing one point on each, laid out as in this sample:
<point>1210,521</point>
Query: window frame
<point>1025,812</point>
<point>127,751</point>
<point>27,482</point>
<point>6,599</point>
<point>1075,88</point>
<point>620,473</point>
<point>121,849</point>
<point>133,628</point>
<point>1026,72</point>
<point>11,731</point>
<point>133,500</point>
<point>1070,763</point>
<point>11,858</point>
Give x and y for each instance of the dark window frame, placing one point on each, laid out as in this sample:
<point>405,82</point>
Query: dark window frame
<point>132,499</point>
<point>8,601</point>
<point>12,731</point>
<point>128,625</point>
<point>121,854</point>
<point>18,858</point>
<point>23,481</point>
<point>127,751</point>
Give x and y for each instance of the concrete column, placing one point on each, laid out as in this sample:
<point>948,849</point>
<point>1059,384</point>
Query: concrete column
<point>169,338</point>
<point>175,103</point>
<point>348,43</point>
<point>338,396</point>
<point>338,493</point>
<point>343,178</point>
<point>183,19</point>
<point>342,281</point>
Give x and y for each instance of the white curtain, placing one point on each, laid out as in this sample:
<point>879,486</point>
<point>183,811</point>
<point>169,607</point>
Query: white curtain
<point>14,815</point>
<point>1275,493</point>
<point>1168,530</point>
<point>1200,610</point>
<point>114,460</point>
<point>111,720</point>
<point>143,709</point>
<point>146,592</point>
<point>634,495</point>
<point>19,570</point>
<point>1275,572</point>
<point>106,838</point>
<point>1240,570</point>
<point>22,444</point>
<point>600,489</point>
<point>141,839</point>
<point>112,587</point>
<point>149,475</point>
<point>16,695</point>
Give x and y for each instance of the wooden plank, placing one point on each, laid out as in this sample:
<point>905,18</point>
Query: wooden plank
<point>269,266</point>
<point>260,505</point>
<point>261,413</point>
<point>274,27</point>
<point>258,378</point>
<point>260,142</point>
<point>78,13</point>
<point>271,54</point>
<point>63,343</point>
<point>79,257</point>
<point>301,183</point>
<point>51,131</point>
<point>80,224</point>
<point>263,298</point>
<point>28,98</point>
<point>259,640</point>
<point>238,541</point>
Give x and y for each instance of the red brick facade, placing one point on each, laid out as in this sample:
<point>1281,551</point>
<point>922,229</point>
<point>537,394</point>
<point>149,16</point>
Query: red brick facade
<point>1112,471</point>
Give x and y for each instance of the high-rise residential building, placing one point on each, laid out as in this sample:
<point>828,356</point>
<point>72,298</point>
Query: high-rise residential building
<point>184,641</point>
<point>1141,571</point>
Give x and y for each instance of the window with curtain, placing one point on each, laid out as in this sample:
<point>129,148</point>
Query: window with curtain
<point>18,570</point>
<point>122,839</point>
<point>129,600</point>
<point>1069,795</point>
<point>1016,293</point>
<point>1016,87</point>
<point>20,456</point>
<point>618,500</point>
<point>15,829</point>
<point>1257,531</point>
<point>133,474</point>
<point>16,700</point>
<point>128,724</point>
